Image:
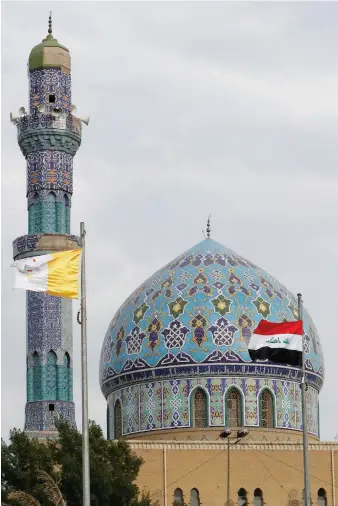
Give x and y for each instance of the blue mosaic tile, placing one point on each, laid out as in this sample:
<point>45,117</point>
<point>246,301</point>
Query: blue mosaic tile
<point>194,318</point>
<point>48,144</point>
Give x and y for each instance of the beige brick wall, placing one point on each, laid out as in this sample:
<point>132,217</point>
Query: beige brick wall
<point>276,469</point>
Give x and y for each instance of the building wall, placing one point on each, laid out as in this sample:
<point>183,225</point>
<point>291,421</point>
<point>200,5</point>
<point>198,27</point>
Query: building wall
<point>166,404</point>
<point>277,469</point>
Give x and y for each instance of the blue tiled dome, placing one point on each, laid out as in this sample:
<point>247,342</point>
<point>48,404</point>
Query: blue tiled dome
<point>196,315</point>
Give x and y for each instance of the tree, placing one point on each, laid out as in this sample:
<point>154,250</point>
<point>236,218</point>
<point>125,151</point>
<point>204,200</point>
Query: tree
<point>113,468</point>
<point>21,462</point>
<point>50,488</point>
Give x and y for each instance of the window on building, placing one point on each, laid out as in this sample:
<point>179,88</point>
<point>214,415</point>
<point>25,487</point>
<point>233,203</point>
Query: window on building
<point>242,497</point>
<point>69,378</point>
<point>51,373</point>
<point>321,497</point>
<point>234,408</point>
<point>108,422</point>
<point>258,497</point>
<point>194,497</point>
<point>266,409</point>
<point>200,405</point>
<point>48,212</point>
<point>36,377</point>
<point>118,420</point>
<point>178,497</point>
<point>51,99</point>
<point>34,213</point>
<point>67,214</point>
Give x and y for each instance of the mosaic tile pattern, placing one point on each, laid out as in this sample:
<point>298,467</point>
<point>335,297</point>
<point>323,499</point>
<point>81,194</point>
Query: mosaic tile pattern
<point>199,309</point>
<point>26,244</point>
<point>40,121</point>
<point>193,319</point>
<point>166,404</point>
<point>48,144</point>
<point>46,82</point>
<point>40,418</point>
<point>49,215</point>
<point>50,170</point>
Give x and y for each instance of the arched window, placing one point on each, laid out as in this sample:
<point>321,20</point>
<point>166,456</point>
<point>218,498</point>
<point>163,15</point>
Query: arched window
<point>37,394</point>
<point>233,408</point>
<point>242,497</point>
<point>200,406</point>
<point>67,214</point>
<point>266,409</point>
<point>34,215</point>
<point>62,215</point>
<point>178,497</point>
<point>108,422</point>
<point>65,380</point>
<point>321,497</point>
<point>194,497</point>
<point>51,376</point>
<point>66,362</point>
<point>258,497</point>
<point>49,214</point>
<point>117,420</point>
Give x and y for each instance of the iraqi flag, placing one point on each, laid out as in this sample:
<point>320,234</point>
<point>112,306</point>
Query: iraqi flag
<point>277,342</point>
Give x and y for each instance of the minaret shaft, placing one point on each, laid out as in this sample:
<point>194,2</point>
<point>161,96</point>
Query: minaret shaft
<point>49,137</point>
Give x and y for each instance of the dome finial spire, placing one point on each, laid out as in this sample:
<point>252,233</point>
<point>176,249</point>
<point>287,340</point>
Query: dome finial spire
<point>208,227</point>
<point>50,22</point>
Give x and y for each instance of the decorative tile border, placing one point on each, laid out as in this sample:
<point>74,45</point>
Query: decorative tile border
<point>163,405</point>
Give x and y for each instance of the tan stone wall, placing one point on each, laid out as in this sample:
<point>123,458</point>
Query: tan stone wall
<point>212,434</point>
<point>276,469</point>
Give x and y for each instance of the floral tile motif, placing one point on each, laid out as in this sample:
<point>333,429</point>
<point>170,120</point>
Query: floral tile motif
<point>154,328</point>
<point>198,324</point>
<point>246,325</point>
<point>174,334</point>
<point>221,305</point>
<point>177,306</point>
<point>222,332</point>
<point>262,306</point>
<point>134,341</point>
<point>140,312</point>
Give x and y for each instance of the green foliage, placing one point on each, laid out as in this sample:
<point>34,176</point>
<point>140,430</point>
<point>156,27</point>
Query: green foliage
<point>21,461</point>
<point>113,468</point>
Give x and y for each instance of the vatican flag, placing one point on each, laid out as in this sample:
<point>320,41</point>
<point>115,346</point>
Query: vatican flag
<point>55,274</point>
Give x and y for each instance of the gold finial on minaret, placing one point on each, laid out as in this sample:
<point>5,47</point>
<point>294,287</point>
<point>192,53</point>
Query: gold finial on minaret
<point>208,227</point>
<point>50,22</point>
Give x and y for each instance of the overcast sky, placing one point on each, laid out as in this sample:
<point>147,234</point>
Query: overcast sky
<point>195,108</point>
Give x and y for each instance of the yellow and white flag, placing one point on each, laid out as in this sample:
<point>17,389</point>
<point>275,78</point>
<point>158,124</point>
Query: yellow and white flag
<point>55,274</point>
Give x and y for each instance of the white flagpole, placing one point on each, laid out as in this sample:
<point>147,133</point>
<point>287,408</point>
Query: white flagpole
<point>85,433</point>
<point>307,494</point>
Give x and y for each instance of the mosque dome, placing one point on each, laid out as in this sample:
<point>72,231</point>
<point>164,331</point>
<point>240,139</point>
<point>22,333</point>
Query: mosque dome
<point>49,54</point>
<point>190,323</point>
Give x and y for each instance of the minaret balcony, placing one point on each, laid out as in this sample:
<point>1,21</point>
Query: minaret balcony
<point>38,132</point>
<point>43,244</point>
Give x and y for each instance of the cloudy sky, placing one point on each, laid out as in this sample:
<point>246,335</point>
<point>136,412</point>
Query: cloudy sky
<point>196,108</point>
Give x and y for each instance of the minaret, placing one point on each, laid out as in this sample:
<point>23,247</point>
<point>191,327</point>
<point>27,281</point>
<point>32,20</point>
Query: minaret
<point>49,137</point>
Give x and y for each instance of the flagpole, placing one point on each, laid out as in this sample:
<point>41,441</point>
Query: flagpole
<point>85,434</point>
<point>307,495</point>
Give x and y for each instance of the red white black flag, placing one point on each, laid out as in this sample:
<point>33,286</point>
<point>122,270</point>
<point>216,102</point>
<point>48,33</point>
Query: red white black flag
<point>277,342</point>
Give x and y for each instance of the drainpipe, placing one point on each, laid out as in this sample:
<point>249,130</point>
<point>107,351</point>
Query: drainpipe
<point>165,477</point>
<point>333,479</point>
